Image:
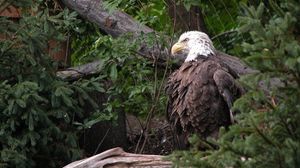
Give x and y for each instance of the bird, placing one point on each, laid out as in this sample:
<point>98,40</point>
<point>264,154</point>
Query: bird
<point>202,91</point>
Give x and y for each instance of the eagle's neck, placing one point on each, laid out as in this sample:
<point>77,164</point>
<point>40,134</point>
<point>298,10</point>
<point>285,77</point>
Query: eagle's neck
<point>200,49</point>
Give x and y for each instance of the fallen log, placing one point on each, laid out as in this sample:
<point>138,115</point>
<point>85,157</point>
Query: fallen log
<point>117,158</point>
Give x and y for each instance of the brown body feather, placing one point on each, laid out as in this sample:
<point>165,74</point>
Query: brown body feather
<point>201,94</point>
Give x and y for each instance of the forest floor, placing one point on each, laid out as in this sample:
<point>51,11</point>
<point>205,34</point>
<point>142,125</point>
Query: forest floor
<point>158,140</point>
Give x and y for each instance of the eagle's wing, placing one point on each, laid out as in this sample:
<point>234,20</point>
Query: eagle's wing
<point>172,116</point>
<point>228,88</point>
<point>173,98</point>
<point>194,104</point>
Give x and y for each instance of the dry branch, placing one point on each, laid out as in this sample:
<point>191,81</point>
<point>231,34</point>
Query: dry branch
<point>117,158</point>
<point>117,23</point>
<point>80,71</point>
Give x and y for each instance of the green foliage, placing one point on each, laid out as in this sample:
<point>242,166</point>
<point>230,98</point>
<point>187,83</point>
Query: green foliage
<point>135,78</point>
<point>222,23</point>
<point>267,133</point>
<point>219,15</point>
<point>39,110</point>
<point>134,83</point>
<point>152,13</point>
<point>220,20</point>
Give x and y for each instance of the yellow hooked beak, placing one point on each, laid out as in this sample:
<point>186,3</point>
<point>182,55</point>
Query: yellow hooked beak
<point>177,47</point>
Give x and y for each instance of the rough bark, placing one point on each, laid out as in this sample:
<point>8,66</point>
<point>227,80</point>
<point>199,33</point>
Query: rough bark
<point>114,23</point>
<point>185,20</point>
<point>117,158</point>
<point>77,72</point>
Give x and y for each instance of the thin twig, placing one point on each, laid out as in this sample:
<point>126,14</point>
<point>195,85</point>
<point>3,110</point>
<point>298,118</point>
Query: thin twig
<point>223,34</point>
<point>157,95</point>
<point>102,140</point>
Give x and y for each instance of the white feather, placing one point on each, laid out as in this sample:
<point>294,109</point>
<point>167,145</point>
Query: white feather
<point>198,44</point>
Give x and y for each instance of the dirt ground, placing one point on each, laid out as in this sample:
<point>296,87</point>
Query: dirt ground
<point>157,139</point>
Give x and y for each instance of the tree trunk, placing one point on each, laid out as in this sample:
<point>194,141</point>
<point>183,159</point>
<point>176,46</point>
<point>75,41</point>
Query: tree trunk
<point>185,20</point>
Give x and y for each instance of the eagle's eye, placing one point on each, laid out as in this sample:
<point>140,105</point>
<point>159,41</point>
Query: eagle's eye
<point>185,40</point>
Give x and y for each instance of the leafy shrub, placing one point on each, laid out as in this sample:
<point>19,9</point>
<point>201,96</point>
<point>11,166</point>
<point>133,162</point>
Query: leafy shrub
<point>135,83</point>
<point>152,13</point>
<point>38,109</point>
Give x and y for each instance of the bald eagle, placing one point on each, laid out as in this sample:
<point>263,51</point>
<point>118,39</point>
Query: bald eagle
<point>202,91</point>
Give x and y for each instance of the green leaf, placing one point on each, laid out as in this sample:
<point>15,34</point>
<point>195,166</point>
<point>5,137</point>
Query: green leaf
<point>39,98</point>
<point>55,101</point>
<point>32,61</point>
<point>46,26</point>
<point>11,105</point>
<point>67,100</point>
<point>58,92</point>
<point>30,122</point>
<point>98,87</point>
<point>21,103</point>
<point>113,72</point>
<point>260,10</point>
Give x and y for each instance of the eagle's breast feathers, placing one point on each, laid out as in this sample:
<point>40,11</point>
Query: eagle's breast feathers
<point>201,94</point>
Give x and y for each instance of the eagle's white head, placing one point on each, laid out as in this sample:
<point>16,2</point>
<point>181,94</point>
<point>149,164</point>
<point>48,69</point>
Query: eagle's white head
<point>193,44</point>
